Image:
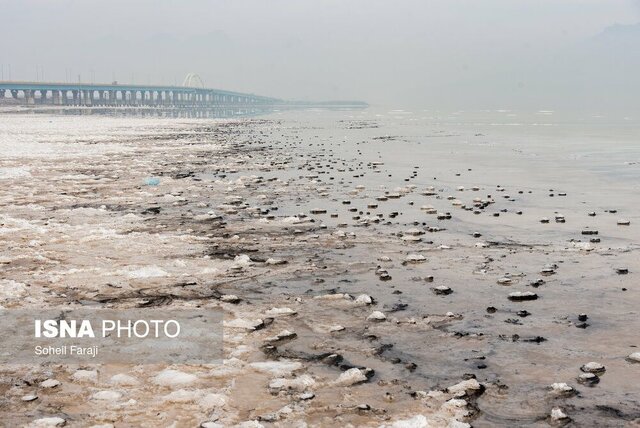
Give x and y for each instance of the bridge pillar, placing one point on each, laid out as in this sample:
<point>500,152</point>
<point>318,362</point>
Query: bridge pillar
<point>1,93</point>
<point>55,97</point>
<point>29,97</point>
<point>14,94</point>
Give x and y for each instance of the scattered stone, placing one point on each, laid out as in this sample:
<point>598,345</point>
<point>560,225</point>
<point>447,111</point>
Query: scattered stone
<point>377,316</point>
<point>276,368</point>
<point>29,397</point>
<point>588,379</point>
<point>624,222</point>
<point>519,296</point>
<point>464,388</point>
<point>537,283</point>
<point>414,232</point>
<point>562,389</point>
<point>280,312</point>
<point>364,299</point>
<point>558,415</point>
<point>353,376</point>
<point>230,298</point>
<point>442,290</point>
<point>48,422</point>
<point>634,358</point>
<point>505,281</point>
<point>298,384</point>
<point>415,258</point>
<point>589,232</point>
<point>282,336</point>
<point>50,383</point>
<point>593,367</point>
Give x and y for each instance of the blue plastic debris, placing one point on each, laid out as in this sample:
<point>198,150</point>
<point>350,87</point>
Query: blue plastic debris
<point>152,181</point>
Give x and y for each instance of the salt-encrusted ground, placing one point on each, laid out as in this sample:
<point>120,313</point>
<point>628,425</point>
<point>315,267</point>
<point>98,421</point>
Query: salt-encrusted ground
<point>350,296</point>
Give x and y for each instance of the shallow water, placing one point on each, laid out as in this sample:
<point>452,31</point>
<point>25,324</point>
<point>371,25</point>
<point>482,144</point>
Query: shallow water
<point>75,229</point>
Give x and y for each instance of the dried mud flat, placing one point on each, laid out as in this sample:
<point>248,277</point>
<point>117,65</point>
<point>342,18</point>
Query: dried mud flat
<point>366,280</point>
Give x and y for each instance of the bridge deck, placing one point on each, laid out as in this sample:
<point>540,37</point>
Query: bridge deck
<point>125,94</point>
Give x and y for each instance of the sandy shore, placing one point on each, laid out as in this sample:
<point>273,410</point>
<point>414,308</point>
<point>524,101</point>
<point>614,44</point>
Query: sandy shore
<point>372,270</point>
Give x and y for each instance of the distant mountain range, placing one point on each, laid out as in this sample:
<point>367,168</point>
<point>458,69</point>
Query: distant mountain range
<point>619,34</point>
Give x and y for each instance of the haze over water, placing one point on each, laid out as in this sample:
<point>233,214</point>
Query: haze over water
<point>463,252</point>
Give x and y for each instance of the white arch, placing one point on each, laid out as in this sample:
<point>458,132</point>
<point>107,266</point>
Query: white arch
<point>192,80</point>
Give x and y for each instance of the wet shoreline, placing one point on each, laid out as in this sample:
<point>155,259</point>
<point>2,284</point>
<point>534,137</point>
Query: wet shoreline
<point>363,313</point>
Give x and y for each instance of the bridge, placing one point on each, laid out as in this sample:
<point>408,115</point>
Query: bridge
<point>192,94</point>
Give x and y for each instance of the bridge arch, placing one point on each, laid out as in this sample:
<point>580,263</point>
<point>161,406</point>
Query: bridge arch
<point>193,80</point>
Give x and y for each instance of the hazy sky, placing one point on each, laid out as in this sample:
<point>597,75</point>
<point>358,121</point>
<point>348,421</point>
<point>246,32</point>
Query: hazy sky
<point>396,53</point>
